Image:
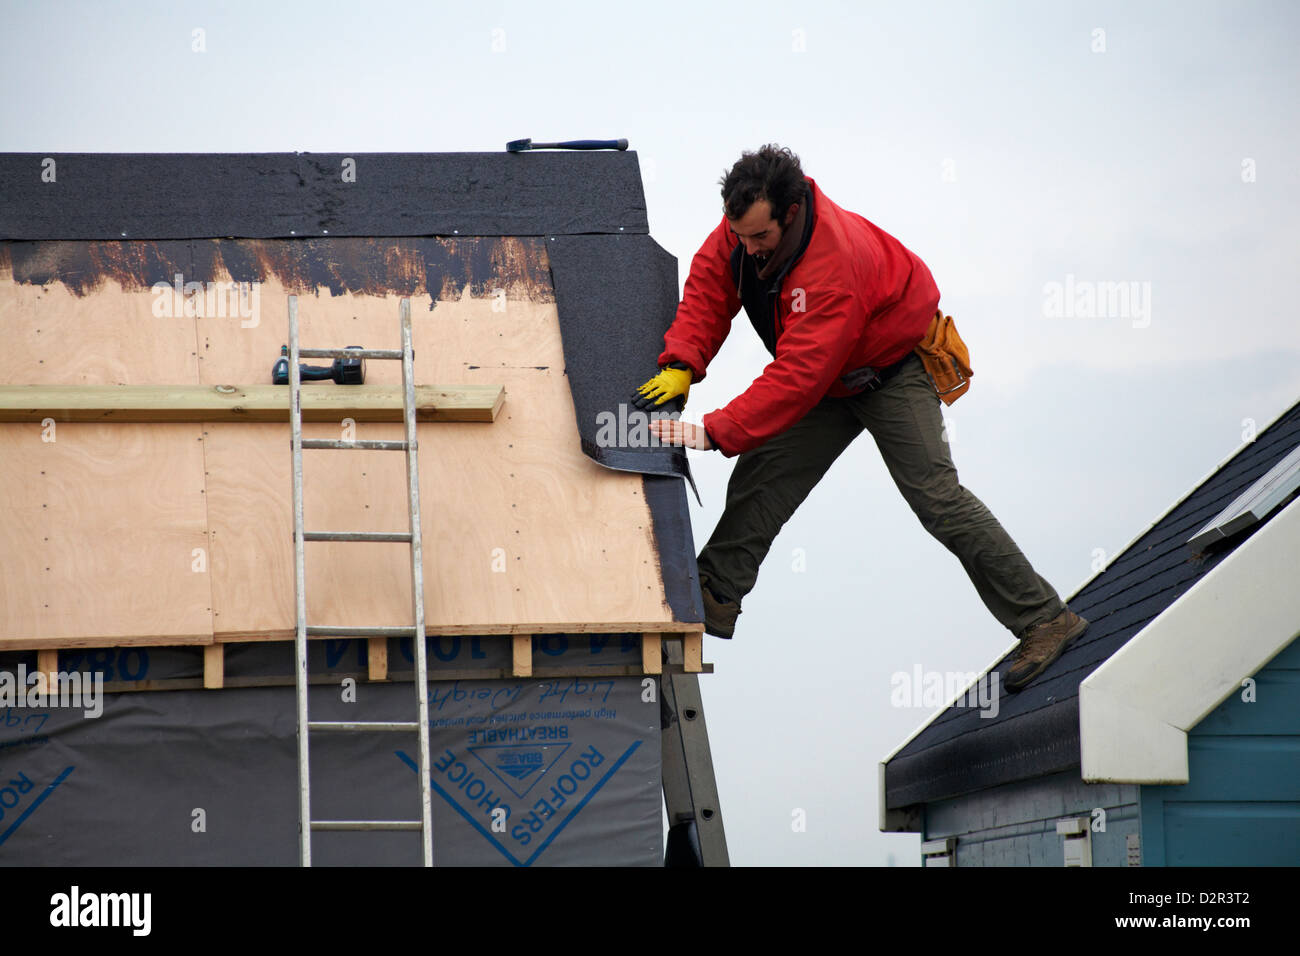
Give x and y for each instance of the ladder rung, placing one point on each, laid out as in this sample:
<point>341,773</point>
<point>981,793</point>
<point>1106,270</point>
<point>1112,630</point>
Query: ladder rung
<point>356,536</point>
<point>366,825</point>
<point>365,726</point>
<point>359,443</point>
<point>351,353</point>
<point>329,630</point>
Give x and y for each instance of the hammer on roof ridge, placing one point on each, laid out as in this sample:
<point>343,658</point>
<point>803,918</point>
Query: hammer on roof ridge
<point>521,145</point>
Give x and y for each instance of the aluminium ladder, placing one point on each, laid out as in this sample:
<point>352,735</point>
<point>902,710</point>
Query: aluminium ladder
<point>420,727</point>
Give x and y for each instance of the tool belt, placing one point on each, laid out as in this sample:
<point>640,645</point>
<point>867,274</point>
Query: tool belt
<point>946,359</point>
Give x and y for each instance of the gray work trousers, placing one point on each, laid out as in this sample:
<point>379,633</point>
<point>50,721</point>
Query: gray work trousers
<point>771,481</point>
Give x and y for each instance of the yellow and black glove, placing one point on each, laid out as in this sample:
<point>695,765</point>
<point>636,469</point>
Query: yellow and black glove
<point>673,380</point>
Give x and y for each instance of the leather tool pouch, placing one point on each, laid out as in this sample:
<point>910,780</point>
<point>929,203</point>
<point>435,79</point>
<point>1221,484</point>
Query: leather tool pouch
<point>946,359</point>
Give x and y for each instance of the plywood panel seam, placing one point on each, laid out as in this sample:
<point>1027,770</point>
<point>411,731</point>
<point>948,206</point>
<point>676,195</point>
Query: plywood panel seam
<point>207,533</point>
<point>203,460</point>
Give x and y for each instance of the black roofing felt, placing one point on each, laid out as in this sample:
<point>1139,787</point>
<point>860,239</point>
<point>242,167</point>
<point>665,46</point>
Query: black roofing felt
<point>284,195</point>
<point>1036,731</point>
<point>615,287</point>
<point>619,292</point>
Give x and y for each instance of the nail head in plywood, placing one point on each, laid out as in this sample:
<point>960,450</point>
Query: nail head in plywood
<point>377,658</point>
<point>105,535</point>
<point>84,331</point>
<point>522,655</point>
<point>652,659</point>
<point>214,666</point>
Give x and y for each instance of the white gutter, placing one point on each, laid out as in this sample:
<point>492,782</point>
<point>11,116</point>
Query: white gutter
<point>1135,710</point>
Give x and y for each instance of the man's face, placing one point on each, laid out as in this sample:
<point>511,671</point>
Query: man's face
<point>758,231</point>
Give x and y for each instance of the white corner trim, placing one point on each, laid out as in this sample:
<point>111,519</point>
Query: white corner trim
<point>1126,744</point>
<point>880,804</point>
<point>1136,708</point>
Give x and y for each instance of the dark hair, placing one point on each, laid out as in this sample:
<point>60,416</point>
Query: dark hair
<point>773,173</point>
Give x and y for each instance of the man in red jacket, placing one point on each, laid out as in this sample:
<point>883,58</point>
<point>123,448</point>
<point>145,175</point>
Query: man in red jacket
<point>841,305</point>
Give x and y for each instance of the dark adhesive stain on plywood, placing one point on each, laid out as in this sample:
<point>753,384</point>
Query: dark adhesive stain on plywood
<point>85,266</point>
<point>441,268</point>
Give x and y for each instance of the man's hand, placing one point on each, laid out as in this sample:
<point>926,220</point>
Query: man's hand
<point>674,431</point>
<point>672,380</point>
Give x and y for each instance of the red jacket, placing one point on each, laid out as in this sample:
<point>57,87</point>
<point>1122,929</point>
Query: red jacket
<point>866,300</point>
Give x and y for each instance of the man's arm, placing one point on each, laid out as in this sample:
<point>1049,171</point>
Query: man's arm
<point>809,357</point>
<point>709,303</point>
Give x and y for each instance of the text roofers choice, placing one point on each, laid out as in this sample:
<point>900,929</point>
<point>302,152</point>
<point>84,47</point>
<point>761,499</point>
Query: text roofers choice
<point>78,909</point>
<point>521,763</point>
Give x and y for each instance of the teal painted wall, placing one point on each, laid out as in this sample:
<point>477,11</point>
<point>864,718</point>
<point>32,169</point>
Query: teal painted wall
<point>1241,804</point>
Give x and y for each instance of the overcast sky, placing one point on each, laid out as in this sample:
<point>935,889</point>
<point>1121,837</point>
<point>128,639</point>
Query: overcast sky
<point>1010,145</point>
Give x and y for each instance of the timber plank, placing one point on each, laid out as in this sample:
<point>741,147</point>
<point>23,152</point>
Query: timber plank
<point>652,660</point>
<point>377,658</point>
<point>321,402</point>
<point>214,666</point>
<point>693,652</point>
<point>522,655</point>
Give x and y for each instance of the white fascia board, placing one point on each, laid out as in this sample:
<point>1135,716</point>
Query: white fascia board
<point>885,822</point>
<point>1135,710</point>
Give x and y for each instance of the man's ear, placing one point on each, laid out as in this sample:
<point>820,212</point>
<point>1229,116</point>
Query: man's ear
<point>790,214</point>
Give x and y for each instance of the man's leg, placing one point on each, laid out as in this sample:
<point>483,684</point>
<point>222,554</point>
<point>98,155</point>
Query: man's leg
<point>766,486</point>
<point>903,417</point>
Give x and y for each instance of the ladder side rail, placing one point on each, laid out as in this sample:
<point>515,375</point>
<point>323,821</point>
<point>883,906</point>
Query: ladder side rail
<point>417,579</point>
<point>299,589</point>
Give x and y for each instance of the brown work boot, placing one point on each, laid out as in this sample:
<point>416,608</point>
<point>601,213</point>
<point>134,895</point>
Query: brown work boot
<point>1040,645</point>
<point>719,616</point>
